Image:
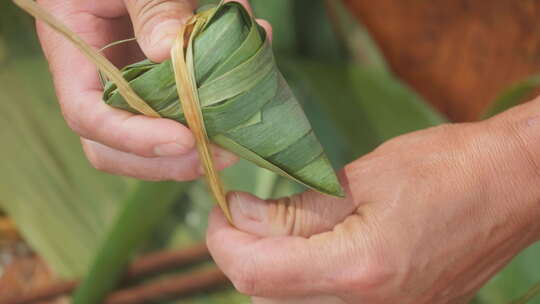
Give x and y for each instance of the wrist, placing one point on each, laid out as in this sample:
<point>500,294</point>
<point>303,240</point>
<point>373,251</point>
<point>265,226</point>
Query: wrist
<point>517,134</point>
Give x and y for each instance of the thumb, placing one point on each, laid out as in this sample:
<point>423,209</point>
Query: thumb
<point>303,215</point>
<point>157,22</point>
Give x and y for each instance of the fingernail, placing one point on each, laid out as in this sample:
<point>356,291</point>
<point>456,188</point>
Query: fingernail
<point>247,206</point>
<point>170,149</point>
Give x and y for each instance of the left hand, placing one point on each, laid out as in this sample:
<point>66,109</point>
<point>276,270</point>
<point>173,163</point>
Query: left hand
<point>429,218</point>
<point>116,141</point>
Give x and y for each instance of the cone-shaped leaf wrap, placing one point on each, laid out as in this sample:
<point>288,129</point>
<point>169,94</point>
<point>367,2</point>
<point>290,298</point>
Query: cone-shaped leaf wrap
<point>247,105</point>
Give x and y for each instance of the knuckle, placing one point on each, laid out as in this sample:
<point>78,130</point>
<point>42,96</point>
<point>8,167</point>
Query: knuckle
<point>125,137</point>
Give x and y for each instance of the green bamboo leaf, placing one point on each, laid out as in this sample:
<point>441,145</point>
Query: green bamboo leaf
<point>141,212</point>
<point>266,183</point>
<point>369,106</point>
<point>61,205</point>
<point>327,90</point>
<point>513,96</point>
<point>390,106</point>
<point>366,101</point>
<point>246,103</point>
<point>3,51</point>
<point>529,296</point>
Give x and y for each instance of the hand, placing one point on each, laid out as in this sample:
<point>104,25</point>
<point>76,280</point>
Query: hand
<point>429,218</point>
<point>116,141</point>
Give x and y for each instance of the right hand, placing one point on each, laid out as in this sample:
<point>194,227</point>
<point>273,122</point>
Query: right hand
<point>428,226</point>
<point>116,141</point>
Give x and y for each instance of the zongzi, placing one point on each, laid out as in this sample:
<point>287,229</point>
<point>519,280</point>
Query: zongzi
<point>247,105</point>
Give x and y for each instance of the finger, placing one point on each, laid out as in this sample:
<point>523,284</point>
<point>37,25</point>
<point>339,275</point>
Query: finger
<point>157,22</point>
<point>267,27</point>
<point>265,24</point>
<point>184,168</point>
<point>96,23</point>
<point>137,134</point>
<point>103,9</point>
<point>281,266</point>
<point>79,91</point>
<point>251,256</point>
<point>303,215</point>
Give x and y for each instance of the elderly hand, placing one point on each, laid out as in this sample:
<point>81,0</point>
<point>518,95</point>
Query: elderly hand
<point>429,218</point>
<point>116,141</point>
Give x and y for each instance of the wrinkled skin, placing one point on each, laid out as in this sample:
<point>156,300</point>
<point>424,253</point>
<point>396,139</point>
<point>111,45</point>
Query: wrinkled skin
<point>116,141</point>
<point>430,217</point>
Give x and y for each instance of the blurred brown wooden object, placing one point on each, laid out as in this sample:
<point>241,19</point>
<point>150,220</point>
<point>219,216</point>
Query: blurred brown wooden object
<point>23,275</point>
<point>458,54</point>
<point>8,231</point>
<point>16,287</point>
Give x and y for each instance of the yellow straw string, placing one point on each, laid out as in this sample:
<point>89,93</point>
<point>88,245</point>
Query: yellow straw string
<point>99,60</point>
<point>182,60</point>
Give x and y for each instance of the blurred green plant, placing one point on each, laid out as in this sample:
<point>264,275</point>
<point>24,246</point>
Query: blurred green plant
<point>513,96</point>
<point>59,203</point>
<point>66,210</point>
<point>141,212</point>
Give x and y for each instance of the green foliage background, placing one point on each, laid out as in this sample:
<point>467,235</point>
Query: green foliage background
<point>66,209</point>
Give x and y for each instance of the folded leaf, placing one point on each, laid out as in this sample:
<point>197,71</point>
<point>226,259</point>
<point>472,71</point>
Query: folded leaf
<point>247,105</point>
